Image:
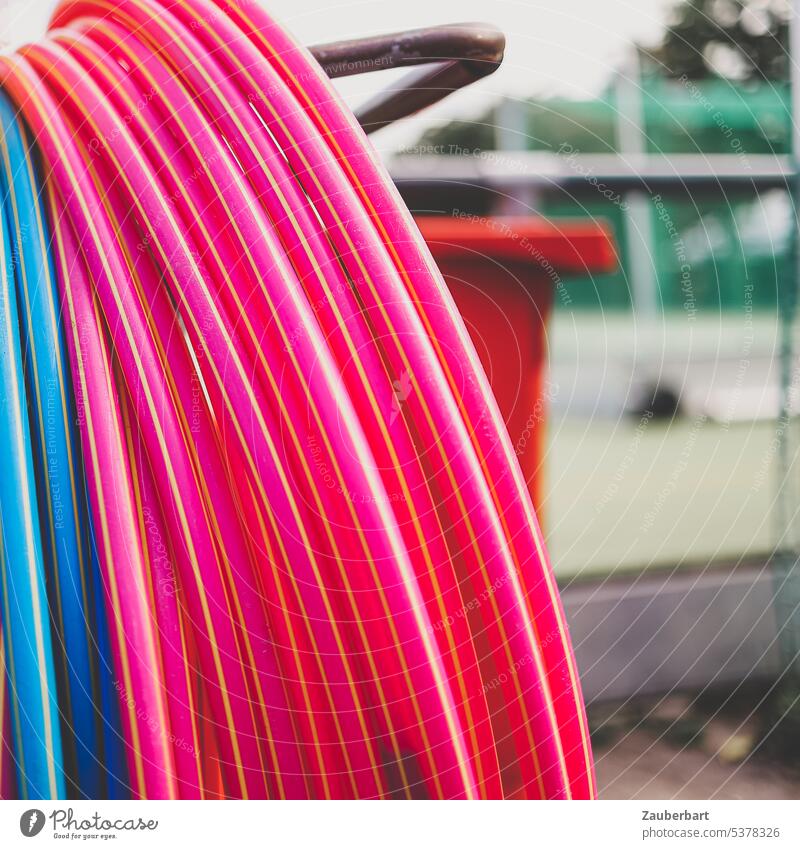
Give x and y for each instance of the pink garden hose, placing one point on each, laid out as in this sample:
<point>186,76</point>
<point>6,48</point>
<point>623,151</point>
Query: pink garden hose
<point>322,569</point>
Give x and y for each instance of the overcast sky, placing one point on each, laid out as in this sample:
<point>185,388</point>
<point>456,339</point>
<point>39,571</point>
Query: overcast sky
<point>565,47</point>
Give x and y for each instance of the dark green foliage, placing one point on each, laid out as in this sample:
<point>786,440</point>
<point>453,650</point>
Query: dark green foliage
<point>753,37</point>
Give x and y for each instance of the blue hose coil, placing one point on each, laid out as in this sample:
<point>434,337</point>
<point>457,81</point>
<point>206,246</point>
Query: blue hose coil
<point>26,620</point>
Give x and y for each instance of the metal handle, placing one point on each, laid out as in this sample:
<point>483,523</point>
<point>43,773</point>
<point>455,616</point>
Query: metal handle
<point>460,55</point>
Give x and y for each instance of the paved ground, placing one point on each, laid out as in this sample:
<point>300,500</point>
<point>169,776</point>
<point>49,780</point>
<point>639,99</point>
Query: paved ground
<point>727,744</point>
<point>642,766</point>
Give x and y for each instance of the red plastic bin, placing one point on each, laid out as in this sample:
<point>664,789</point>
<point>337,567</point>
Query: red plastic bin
<point>503,272</point>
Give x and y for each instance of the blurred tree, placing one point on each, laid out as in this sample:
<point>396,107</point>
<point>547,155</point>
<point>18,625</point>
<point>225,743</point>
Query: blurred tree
<point>734,39</point>
<point>717,40</point>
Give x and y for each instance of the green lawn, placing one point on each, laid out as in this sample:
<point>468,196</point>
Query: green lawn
<point>628,493</point>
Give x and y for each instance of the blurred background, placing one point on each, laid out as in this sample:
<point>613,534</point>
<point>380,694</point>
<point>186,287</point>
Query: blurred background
<point>614,210</point>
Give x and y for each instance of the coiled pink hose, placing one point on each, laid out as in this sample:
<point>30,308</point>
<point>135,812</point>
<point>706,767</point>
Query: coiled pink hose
<point>320,554</point>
